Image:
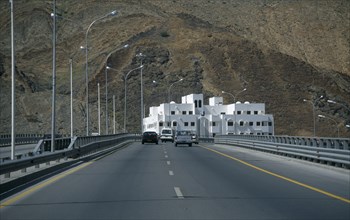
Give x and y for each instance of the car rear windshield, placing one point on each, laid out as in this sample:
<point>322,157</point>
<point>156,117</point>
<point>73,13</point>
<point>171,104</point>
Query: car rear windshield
<point>183,133</point>
<point>166,132</point>
<point>150,133</point>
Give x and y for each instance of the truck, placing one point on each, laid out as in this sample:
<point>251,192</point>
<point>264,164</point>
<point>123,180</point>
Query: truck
<point>167,134</point>
<point>183,137</point>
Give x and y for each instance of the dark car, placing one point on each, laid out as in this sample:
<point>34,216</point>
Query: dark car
<point>150,137</point>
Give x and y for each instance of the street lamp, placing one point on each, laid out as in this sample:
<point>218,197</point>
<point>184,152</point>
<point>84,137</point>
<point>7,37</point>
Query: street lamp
<point>313,110</point>
<point>86,68</point>
<point>142,56</point>
<point>113,114</point>
<point>169,98</point>
<point>336,124</point>
<point>334,102</point>
<point>125,78</point>
<point>12,86</point>
<point>234,96</point>
<point>71,95</point>
<point>106,78</point>
<point>234,101</point>
<point>99,108</point>
<point>53,106</point>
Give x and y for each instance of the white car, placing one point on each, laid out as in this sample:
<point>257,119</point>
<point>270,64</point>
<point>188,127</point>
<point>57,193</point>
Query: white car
<point>183,137</point>
<point>167,134</point>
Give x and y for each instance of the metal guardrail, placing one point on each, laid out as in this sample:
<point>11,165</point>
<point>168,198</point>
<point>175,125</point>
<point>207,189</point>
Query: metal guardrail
<point>77,147</point>
<point>331,151</point>
<point>5,139</point>
<point>206,139</point>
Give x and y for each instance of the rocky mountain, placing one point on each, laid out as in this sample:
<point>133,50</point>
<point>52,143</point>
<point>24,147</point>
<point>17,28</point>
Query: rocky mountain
<point>282,51</point>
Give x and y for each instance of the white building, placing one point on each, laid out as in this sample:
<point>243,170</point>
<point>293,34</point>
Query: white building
<point>210,120</point>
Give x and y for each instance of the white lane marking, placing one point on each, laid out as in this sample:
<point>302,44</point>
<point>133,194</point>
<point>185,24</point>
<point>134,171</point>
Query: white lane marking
<point>165,152</point>
<point>171,173</point>
<point>178,193</point>
<point>166,156</point>
<point>168,162</point>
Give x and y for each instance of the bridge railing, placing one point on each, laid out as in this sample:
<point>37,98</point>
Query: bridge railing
<point>65,148</point>
<point>5,139</point>
<point>331,151</point>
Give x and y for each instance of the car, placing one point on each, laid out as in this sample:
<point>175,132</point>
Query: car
<point>183,137</point>
<point>167,134</point>
<point>150,137</point>
<point>194,138</point>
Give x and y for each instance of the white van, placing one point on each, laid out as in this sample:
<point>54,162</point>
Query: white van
<point>167,134</point>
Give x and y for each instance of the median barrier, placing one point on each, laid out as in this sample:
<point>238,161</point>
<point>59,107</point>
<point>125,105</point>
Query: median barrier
<point>75,147</point>
<point>331,151</point>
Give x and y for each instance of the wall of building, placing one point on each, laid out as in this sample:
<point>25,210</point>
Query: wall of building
<point>210,120</point>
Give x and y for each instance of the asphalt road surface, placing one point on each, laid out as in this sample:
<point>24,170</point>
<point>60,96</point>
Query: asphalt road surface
<point>200,182</point>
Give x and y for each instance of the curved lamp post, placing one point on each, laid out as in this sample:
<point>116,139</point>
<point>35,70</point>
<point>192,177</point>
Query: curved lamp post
<point>314,113</point>
<point>234,101</point>
<point>86,68</point>
<point>336,124</point>
<point>334,102</point>
<point>13,105</point>
<point>125,78</point>
<point>142,56</point>
<point>106,78</point>
<point>234,96</point>
<point>169,98</point>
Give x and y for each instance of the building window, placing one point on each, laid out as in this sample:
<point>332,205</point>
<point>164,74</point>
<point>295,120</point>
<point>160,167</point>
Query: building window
<point>241,123</point>
<point>223,113</point>
<point>213,123</point>
<point>160,124</point>
<point>258,123</point>
<point>270,123</point>
<point>255,112</point>
<point>186,124</point>
<point>174,123</point>
<point>195,103</point>
<point>173,112</point>
<point>190,112</point>
<point>249,112</point>
<point>200,103</point>
<point>184,112</point>
<point>230,123</point>
<point>250,123</point>
<point>239,112</point>
<point>193,124</point>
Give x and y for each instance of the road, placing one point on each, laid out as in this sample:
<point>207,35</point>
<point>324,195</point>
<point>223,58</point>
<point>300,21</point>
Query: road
<point>200,182</point>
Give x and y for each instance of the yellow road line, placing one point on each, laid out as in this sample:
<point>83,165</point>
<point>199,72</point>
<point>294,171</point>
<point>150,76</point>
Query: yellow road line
<point>281,177</point>
<point>42,185</point>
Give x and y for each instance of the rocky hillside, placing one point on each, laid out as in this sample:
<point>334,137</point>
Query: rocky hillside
<point>281,51</point>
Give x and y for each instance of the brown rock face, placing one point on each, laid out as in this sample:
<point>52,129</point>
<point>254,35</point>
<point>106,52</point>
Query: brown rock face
<point>282,51</point>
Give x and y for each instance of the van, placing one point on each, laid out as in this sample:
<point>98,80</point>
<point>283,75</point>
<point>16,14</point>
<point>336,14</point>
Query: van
<point>167,134</point>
